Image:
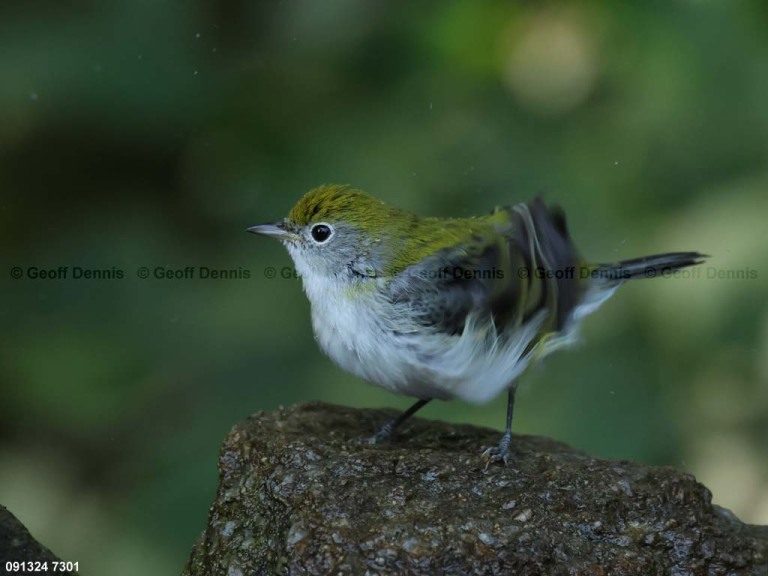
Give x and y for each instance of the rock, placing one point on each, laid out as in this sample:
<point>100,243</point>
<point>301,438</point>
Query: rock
<point>297,496</point>
<point>18,545</point>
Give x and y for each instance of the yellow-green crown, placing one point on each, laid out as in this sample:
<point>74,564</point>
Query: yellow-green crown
<point>332,202</point>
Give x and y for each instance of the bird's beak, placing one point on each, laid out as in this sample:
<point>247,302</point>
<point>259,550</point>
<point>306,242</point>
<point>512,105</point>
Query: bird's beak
<point>276,230</point>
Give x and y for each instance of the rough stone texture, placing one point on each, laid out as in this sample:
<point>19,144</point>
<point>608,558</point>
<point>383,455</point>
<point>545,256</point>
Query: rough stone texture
<point>18,545</point>
<point>296,496</point>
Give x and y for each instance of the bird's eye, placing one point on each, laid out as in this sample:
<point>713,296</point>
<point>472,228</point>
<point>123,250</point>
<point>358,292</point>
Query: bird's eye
<point>321,233</point>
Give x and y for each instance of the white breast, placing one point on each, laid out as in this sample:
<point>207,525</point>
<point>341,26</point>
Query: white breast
<point>375,340</point>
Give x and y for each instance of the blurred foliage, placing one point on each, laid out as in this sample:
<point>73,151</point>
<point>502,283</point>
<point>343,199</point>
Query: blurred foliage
<point>152,133</point>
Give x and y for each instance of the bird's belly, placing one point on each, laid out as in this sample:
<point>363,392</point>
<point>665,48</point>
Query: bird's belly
<point>379,343</point>
<point>359,341</point>
<point>475,366</point>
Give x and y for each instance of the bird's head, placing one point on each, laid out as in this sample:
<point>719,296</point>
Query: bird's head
<point>340,232</point>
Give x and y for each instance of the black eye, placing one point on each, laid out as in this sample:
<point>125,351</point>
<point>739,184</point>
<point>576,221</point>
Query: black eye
<point>320,233</point>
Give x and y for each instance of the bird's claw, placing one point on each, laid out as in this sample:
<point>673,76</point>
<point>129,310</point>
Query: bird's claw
<point>498,453</point>
<point>383,434</point>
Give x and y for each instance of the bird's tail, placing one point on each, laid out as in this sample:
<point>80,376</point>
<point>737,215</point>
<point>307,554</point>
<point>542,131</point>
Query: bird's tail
<point>646,267</point>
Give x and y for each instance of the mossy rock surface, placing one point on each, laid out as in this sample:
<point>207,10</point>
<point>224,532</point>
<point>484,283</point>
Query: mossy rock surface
<point>297,495</point>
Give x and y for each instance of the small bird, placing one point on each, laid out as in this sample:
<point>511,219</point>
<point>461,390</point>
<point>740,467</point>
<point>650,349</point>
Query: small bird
<point>437,308</point>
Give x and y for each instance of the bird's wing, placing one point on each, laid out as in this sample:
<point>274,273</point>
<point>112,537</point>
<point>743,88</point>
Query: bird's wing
<point>507,275</point>
<point>441,290</point>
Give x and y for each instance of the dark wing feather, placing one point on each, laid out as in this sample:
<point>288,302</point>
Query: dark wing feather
<point>441,290</point>
<point>509,277</point>
<point>540,236</point>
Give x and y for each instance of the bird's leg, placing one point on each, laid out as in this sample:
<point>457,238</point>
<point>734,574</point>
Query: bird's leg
<point>386,431</point>
<point>501,452</point>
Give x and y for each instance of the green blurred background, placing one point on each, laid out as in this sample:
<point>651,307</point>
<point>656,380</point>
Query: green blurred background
<point>138,133</point>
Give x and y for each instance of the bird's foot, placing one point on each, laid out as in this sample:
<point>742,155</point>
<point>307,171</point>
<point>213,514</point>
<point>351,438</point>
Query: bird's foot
<point>384,433</point>
<point>498,453</point>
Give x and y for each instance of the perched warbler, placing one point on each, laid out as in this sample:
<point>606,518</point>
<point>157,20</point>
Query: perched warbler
<point>445,308</point>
